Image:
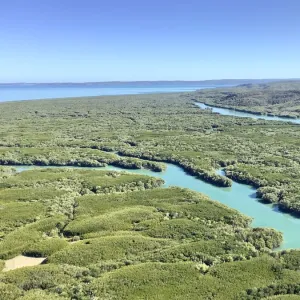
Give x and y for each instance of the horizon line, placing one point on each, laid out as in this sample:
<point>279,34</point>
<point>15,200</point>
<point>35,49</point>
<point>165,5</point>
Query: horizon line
<point>146,81</point>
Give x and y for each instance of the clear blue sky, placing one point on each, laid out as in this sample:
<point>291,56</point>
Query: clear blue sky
<point>97,40</point>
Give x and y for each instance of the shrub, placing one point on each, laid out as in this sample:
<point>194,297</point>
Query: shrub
<point>9,292</point>
<point>46,247</point>
<point>40,295</point>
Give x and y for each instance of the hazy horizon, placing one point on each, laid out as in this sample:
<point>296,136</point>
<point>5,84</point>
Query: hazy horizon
<point>153,81</point>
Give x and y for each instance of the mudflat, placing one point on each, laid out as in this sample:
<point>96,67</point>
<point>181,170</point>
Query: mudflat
<point>21,261</point>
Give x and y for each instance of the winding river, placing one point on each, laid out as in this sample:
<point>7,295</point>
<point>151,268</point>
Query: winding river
<point>232,112</point>
<point>240,197</point>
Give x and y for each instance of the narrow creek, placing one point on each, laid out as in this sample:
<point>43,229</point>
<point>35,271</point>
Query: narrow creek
<point>235,113</point>
<point>240,197</point>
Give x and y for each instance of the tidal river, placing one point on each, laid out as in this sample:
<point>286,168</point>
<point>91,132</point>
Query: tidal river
<point>240,197</point>
<point>232,112</point>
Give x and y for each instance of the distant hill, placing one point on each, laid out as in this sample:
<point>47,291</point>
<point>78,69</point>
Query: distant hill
<point>276,98</point>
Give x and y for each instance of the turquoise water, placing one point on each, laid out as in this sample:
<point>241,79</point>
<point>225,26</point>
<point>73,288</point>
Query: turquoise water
<point>240,197</point>
<point>33,92</point>
<point>232,112</point>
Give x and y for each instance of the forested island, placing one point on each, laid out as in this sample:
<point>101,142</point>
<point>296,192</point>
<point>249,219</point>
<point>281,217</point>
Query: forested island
<point>115,235</point>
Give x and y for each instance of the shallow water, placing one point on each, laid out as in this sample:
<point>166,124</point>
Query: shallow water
<point>240,197</point>
<point>232,112</point>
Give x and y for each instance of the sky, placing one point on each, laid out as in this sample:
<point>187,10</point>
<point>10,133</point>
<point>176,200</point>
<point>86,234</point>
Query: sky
<point>118,40</point>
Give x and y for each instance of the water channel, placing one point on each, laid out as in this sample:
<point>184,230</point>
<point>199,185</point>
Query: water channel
<point>235,113</point>
<point>240,197</point>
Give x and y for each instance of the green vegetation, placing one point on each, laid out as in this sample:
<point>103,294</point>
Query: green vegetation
<point>72,157</point>
<point>121,243</point>
<point>46,199</point>
<point>45,247</point>
<point>184,281</point>
<point>114,235</point>
<point>273,99</point>
<point>2,264</point>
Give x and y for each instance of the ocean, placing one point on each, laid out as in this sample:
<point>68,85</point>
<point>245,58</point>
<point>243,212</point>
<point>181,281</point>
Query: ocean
<point>16,92</point>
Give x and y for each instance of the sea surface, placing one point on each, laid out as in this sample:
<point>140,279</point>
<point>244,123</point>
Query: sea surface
<point>15,92</point>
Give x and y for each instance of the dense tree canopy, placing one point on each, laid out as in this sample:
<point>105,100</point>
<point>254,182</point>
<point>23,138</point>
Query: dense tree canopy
<point>111,235</point>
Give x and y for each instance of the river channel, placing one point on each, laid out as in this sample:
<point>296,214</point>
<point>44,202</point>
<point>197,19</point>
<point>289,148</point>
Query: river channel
<point>240,197</point>
<point>235,113</point>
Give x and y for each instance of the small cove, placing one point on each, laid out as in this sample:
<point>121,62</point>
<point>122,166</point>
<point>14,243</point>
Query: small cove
<point>240,197</point>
